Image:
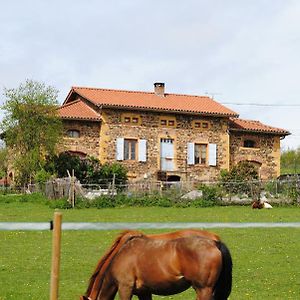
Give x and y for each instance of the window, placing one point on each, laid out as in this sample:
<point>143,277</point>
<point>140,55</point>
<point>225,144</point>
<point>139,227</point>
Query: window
<point>131,119</point>
<point>198,124</point>
<point>200,154</point>
<point>127,120</point>
<point>73,133</point>
<point>130,149</point>
<point>205,125</point>
<point>167,121</point>
<point>249,144</point>
<point>135,120</point>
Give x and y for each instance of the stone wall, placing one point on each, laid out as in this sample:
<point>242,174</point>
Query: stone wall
<point>149,128</point>
<point>88,141</point>
<point>100,141</point>
<point>266,153</point>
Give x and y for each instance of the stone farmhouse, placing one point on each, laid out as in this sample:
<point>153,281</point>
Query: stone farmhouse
<point>162,136</point>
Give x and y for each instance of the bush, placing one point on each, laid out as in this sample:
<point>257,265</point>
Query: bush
<point>210,192</point>
<point>87,170</point>
<point>203,203</point>
<point>239,179</point>
<point>41,177</point>
<point>59,204</point>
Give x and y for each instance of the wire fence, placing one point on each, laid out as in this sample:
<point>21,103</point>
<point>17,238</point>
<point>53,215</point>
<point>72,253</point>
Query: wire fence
<point>286,189</point>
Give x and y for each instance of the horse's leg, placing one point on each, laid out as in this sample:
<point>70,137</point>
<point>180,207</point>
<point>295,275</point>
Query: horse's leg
<point>205,293</point>
<point>107,291</point>
<point>125,292</point>
<point>145,296</point>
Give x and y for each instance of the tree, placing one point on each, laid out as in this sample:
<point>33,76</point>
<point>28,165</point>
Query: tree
<point>3,162</point>
<point>31,126</point>
<point>290,161</point>
<point>242,178</point>
<point>88,170</point>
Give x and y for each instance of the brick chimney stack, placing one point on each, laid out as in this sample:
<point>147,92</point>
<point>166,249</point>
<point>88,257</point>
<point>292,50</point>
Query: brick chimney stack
<point>159,89</point>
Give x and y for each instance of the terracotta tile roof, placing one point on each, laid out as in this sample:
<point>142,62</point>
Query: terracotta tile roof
<point>78,110</point>
<point>255,126</point>
<point>150,101</point>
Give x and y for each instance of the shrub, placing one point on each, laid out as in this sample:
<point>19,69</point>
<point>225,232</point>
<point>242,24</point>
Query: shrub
<point>203,203</point>
<point>59,204</point>
<point>87,170</point>
<point>240,179</point>
<point>41,177</point>
<point>210,192</point>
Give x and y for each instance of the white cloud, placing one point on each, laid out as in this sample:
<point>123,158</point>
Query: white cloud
<point>244,51</point>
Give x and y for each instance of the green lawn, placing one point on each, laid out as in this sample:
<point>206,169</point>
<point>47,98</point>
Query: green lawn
<point>266,261</point>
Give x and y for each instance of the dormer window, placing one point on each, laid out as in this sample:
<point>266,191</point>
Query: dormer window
<point>72,133</point>
<point>249,144</point>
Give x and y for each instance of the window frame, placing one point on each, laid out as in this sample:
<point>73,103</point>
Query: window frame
<point>131,119</point>
<point>130,149</point>
<point>198,151</point>
<point>70,133</point>
<point>201,124</point>
<point>167,122</point>
<point>249,143</point>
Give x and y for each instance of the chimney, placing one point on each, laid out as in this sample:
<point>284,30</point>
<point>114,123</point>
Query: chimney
<point>159,89</point>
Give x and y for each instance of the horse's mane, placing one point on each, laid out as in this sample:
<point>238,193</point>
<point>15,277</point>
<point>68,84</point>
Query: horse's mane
<point>105,261</point>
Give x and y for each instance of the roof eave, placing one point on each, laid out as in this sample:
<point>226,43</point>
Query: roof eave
<point>213,114</point>
<point>283,133</point>
<point>81,119</point>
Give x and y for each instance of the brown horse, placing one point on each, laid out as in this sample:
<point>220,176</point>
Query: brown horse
<point>94,283</point>
<point>144,266</point>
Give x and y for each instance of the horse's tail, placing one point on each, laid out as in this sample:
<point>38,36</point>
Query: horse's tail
<point>224,283</point>
<point>95,280</point>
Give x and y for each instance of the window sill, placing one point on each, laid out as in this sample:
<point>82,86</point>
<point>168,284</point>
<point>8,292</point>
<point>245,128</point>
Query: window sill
<point>249,148</point>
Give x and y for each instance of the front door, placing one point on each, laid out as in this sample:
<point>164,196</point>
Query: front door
<point>167,154</point>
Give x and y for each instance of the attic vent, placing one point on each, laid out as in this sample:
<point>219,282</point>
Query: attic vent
<point>159,89</point>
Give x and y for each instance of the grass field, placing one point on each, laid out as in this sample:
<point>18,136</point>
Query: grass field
<point>266,261</point>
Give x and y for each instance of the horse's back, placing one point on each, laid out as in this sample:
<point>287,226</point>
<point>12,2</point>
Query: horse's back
<point>185,233</point>
<point>164,266</point>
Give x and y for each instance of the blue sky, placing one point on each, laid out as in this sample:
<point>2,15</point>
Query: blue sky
<point>241,52</point>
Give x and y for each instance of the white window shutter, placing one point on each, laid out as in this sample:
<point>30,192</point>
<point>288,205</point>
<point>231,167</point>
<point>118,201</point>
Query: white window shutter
<point>212,154</point>
<point>142,150</point>
<point>120,149</point>
<point>191,153</point>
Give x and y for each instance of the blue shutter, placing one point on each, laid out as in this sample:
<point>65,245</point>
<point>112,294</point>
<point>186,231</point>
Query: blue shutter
<point>212,154</point>
<point>142,150</point>
<point>191,153</point>
<point>120,148</point>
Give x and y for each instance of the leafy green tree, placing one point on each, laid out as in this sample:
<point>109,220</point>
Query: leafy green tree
<point>240,179</point>
<point>31,126</point>
<point>3,162</point>
<point>290,161</point>
<point>88,170</point>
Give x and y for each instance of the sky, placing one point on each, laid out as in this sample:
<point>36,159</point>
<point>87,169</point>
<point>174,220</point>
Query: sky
<point>244,54</point>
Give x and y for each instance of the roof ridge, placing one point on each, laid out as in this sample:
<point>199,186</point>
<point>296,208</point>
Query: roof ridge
<point>247,120</point>
<point>141,92</point>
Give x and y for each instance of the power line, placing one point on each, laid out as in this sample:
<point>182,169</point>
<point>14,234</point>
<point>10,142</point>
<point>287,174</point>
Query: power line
<point>261,104</point>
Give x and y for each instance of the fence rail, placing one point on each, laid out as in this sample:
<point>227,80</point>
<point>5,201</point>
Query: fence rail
<point>102,226</point>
